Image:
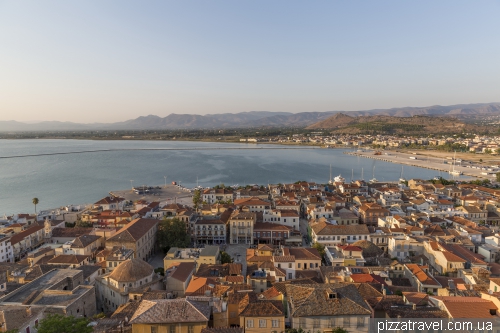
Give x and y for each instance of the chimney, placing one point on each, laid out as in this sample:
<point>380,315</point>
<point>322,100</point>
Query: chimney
<point>28,311</point>
<point>414,307</point>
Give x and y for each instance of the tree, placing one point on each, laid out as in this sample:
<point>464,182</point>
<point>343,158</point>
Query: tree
<point>225,258</point>
<point>339,330</point>
<point>35,202</point>
<point>172,233</point>
<point>320,248</point>
<point>56,323</point>
<point>196,199</point>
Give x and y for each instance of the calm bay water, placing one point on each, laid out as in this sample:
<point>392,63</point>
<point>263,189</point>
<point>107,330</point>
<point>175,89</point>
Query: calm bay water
<point>85,178</point>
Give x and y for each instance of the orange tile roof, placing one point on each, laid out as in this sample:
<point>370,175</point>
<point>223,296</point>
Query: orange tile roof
<point>421,275</point>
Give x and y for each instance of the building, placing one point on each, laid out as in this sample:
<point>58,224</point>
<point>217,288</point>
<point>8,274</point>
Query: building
<point>331,234</point>
<point>241,225</point>
<point>421,279</point>
<point>369,213</point>
<point>61,291</point>
<point>271,233</point>
<point>110,203</point>
<point>126,282</point>
<point>178,276</point>
<point>139,236</point>
<point>305,258</point>
<point>27,240</point>
<point>6,250</point>
<point>211,196</point>
<point>112,258</point>
<point>209,230</point>
<point>325,307</point>
<point>178,255</point>
<point>263,316</point>
<point>209,255</point>
<point>288,217</point>
<point>170,316</point>
<point>252,204</point>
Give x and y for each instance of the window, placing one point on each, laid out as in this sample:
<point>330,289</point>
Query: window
<point>262,323</point>
<point>249,323</point>
<point>361,322</point>
<point>191,329</point>
<point>290,265</point>
<point>333,322</point>
<point>346,322</point>
<point>171,329</point>
<point>298,265</point>
<point>316,323</point>
<point>275,323</point>
<point>154,329</point>
<point>290,277</point>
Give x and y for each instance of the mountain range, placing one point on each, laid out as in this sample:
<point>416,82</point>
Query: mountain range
<point>253,119</point>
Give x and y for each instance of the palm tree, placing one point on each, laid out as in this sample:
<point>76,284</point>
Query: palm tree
<point>35,202</point>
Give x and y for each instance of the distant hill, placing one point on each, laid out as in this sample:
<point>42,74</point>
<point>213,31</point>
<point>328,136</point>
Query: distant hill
<point>469,112</point>
<point>391,124</point>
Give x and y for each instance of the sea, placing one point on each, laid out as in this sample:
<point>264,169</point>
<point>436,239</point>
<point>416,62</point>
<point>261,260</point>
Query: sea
<point>61,172</point>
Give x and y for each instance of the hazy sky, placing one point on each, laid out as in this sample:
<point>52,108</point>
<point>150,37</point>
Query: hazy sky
<point>106,61</point>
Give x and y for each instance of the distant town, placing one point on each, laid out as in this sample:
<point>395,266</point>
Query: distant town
<point>257,258</point>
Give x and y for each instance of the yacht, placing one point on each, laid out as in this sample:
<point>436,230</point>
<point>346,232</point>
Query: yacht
<point>401,179</point>
<point>455,172</point>
<point>339,179</point>
<point>373,180</point>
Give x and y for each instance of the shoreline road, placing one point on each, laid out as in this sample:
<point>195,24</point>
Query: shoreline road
<point>161,193</point>
<point>427,162</point>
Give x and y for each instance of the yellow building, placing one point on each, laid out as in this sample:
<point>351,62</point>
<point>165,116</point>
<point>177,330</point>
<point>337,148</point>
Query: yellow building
<point>263,316</point>
<point>170,316</point>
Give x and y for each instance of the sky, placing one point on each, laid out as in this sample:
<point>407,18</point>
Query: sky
<point>107,61</point>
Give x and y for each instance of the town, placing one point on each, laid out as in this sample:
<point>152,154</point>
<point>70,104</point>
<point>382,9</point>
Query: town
<point>278,257</point>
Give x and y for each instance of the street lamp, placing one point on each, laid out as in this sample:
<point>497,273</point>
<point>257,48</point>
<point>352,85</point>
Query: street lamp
<point>165,181</point>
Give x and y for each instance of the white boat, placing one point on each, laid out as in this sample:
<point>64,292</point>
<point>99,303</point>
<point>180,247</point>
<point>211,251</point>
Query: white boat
<point>339,179</point>
<point>401,179</point>
<point>373,180</point>
<point>455,172</point>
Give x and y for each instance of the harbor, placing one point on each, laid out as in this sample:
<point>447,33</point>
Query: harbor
<point>448,169</point>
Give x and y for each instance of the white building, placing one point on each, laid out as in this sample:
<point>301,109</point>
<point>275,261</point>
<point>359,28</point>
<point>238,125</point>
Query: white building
<point>6,250</point>
<point>287,217</point>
